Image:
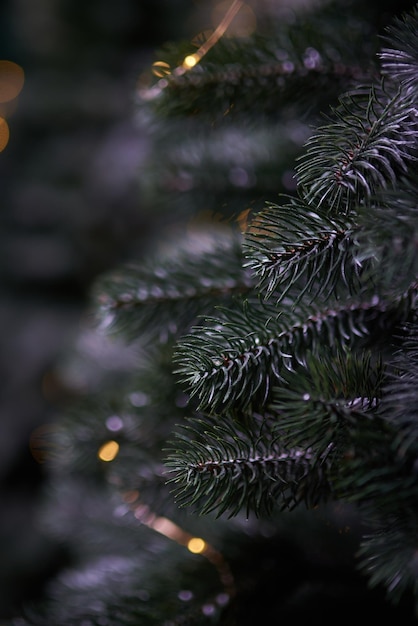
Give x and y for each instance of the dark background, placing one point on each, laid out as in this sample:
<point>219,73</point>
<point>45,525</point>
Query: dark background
<point>70,209</point>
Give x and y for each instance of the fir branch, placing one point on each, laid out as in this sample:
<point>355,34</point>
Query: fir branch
<point>400,399</point>
<point>131,589</point>
<point>319,403</point>
<point>389,557</point>
<point>164,296</point>
<point>294,245</point>
<point>222,367</point>
<point>372,470</point>
<point>387,238</point>
<point>400,60</point>
<point>263,72</point>
<point>232,79</point>
<point>224,467</point>
<point>371,143</point>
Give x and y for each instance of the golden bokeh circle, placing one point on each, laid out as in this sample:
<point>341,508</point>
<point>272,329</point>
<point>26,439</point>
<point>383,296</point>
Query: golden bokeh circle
<point>4,133</point>
<point>12,78</point>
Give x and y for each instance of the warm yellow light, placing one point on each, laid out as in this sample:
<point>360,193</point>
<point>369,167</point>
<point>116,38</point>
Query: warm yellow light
<point>161,69</point>
<point>209,41</point>
<point>11,80</point>
<point>196,545</point>
<point>4,134</point>
<point>108,451</point>
<point>190,61</point>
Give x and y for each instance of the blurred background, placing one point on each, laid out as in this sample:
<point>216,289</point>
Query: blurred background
<point>70,209</point>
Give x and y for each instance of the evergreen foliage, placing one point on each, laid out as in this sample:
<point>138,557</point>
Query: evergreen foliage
<point>276,370</point>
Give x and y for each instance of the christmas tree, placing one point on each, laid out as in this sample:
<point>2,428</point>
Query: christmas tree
<point>243,448</point>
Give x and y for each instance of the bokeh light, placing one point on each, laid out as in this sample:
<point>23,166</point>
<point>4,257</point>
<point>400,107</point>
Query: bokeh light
<point>12,78</point>
<point>196,545</point>
<point>161,69</point>
<point>190,61</point>
<point>108,451</point>
<point>4,133</point>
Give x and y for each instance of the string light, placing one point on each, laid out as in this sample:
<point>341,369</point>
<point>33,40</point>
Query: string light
<point>246,21</point>
<point>161,524</point>
<point>162,69</point>
<point>108,451</point>
<point>190,61</point>
<point>214,37</point>
<point>195,545</point>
